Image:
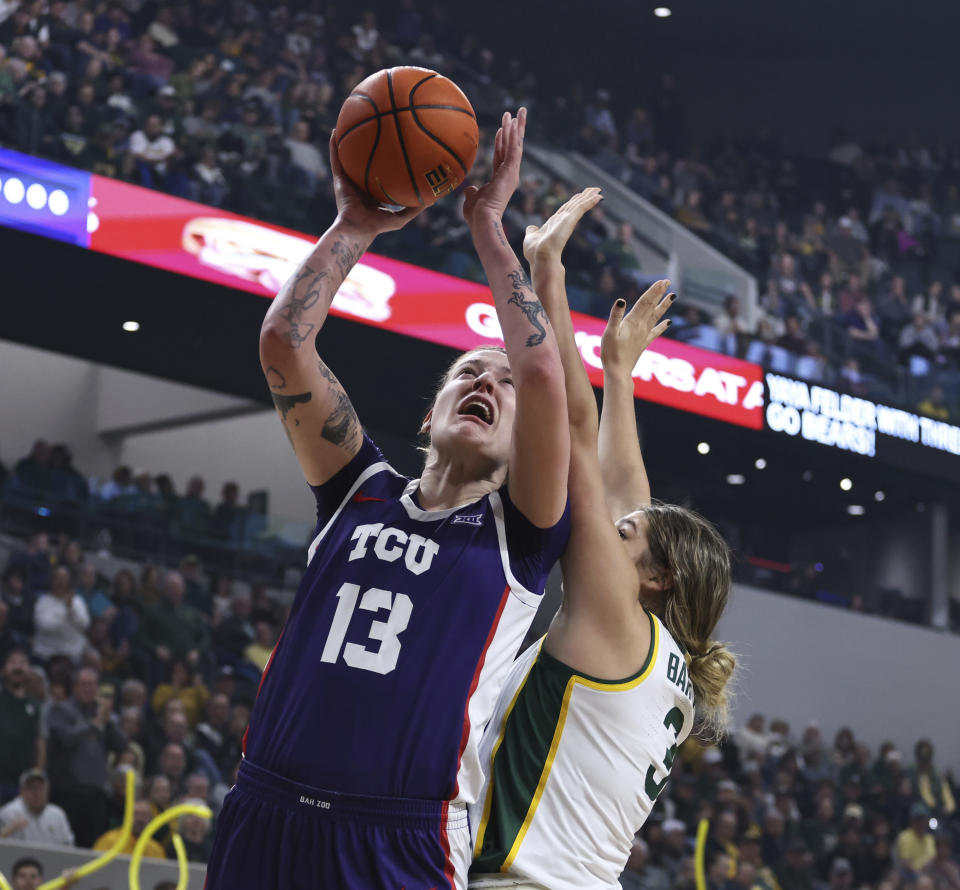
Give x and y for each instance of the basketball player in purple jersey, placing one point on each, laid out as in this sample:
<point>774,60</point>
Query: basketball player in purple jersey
<point>362,750</point>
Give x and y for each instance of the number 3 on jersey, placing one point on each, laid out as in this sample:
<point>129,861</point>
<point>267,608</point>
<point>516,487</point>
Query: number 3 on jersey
<point>674,721</point>
<point>383,659</point>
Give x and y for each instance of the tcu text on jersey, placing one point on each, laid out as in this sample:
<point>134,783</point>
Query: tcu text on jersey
<point>389,544</point>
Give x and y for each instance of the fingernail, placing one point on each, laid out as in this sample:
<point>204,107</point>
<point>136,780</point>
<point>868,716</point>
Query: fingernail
<point>669,322</point>
<point>672,297</point>
<point>621,303</point>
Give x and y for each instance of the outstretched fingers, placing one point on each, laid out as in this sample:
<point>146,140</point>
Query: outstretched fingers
<point>582,201</point>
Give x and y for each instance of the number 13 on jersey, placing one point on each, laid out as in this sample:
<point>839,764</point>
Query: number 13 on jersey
<point>383,659</point>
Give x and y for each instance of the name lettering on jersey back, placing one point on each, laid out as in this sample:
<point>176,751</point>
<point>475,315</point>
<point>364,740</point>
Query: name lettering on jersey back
<point>677,674</point>
<point>389,544</point>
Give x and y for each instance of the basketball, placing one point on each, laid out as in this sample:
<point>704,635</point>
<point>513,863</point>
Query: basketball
<point>407,136</point>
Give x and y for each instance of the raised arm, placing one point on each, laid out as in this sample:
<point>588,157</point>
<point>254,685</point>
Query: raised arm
<point>600,580</point>
<point>540,449</point>
<point>543,248</point>
<point>624,475</point>
<point>315,410</point>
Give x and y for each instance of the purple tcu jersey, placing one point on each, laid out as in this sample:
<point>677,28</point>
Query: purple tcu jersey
<point>399,639</point>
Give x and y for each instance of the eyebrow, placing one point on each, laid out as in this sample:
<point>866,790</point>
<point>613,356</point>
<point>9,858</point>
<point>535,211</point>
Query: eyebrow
<point>476,363</point>
<point>627,519</point>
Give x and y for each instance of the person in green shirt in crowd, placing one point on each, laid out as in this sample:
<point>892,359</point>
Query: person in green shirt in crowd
<point>20,739</point>
<point>172,630</point>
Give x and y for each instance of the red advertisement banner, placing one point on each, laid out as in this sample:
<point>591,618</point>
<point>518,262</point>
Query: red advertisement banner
<point>203,242</point>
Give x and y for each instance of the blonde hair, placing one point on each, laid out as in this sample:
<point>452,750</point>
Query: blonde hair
<point>698,560</point>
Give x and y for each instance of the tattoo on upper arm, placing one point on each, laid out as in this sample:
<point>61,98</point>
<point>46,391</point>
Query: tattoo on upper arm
<point>297,303</point>
<point>275,380</point>
<point>529,306</point>
<point>342,427</point>
<point>285,403</point>
<point>346,256</point>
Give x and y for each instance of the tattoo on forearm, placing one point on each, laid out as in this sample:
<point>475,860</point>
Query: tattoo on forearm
<point>345,255</point>
<point>275,380</point>
<point>501,237</point>
<point>342,427</point>
<point>529,306</point>
<point>286,403</point>
<point>310,283</point>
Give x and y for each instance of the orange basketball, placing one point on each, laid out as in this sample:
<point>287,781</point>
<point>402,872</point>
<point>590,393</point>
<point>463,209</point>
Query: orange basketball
<point>407,136</point>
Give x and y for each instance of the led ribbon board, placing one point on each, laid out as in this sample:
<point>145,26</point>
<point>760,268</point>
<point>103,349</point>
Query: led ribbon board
<point>838,420</point>
<point>203,242</point>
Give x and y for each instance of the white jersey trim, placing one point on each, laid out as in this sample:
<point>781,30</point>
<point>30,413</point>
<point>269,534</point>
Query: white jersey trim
<point>415,512</point>
<point>372,470</point>
<point>528,597</point>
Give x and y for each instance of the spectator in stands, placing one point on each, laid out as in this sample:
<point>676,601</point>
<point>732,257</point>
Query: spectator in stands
<point>61,620</point>
<point>949,352</point>
<point>91,589</point>
<point>235,632</point>
<point>158,794</point>
<point>142,814</point>
<point>35,561</point>
<point>190,691</point>
<point>213,734</point>
<point>21,740</point>
<point>120,485</point>
<point>639,873</point>
<point>70,556</point>
<point>81,734</point>
<point>227,523</point>
<point>691,215</point>
<point>33,124</point>
<point>793,339</point>
<point>894,309</point>
<point>943,870</point>
<point>20,602</point>
<point>307,162</point>
<point>841,875</point>
<point>173,764</point>
<point>675,850</point>
<point>919,338</point>
<point>152,154</point>
<point>915,848</point>
<point>934,404</point>
<point>933,788</point>
<point>795,871</point>
<point>32,472</point>
<point>8,640</point>
<point>197,594</point>
<point>197,787</point>
<point>259,651</point>
<point>208,183</point>
<point>196,835</point>
<point>861,324</point>
<point>27,874</point>
<point>193,512</point>
<point>170,629</point>
<point>31,818</point>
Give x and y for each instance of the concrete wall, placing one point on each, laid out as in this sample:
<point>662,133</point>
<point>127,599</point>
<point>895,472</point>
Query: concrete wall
<point>804,661</point>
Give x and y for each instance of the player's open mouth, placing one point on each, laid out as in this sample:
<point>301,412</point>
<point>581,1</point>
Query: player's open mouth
<point>477,407</point>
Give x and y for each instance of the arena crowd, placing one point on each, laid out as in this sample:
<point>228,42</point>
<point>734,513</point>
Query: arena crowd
<point>116,666</point>
<point>231,104</point>
<point>110,666</point>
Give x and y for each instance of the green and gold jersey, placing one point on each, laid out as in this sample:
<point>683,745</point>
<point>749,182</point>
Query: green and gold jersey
<point>576,765</point>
